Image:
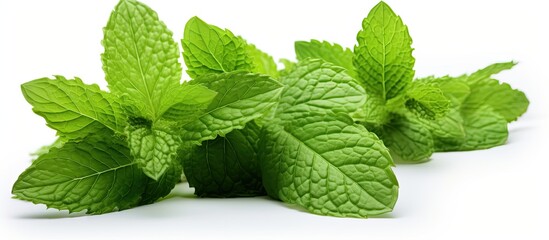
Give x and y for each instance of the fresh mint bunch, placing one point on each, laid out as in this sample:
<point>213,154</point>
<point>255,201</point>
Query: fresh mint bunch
<point>415,118</point>
<point>122,148</point>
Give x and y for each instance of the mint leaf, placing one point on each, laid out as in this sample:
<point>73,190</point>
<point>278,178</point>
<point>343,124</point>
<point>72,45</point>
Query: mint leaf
<point>192,101</point>
<point>263,62</point>
<point>426,101</point>
<point>490,70</point>
<point>332,53</point>
<point>74,109</point>
<point>373,113</point>
<point>318,86</point>
<point>155,189</point>
<point>504,100</point>
<point>226,166</point>
<point>95,174</point>
<point>328,165</point>
<point>209,49</point>
<point>241,98</point>
<point>154,149</point>
<point>407,139</point>
<point>484,128</point>
<point>383,57</point>
<point>141,60</point>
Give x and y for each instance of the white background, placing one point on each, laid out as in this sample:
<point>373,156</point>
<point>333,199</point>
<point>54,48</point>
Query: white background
<point>498,193</point>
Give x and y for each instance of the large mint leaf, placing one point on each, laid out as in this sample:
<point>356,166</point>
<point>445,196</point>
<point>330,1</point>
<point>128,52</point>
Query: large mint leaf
<point>73,108</point>
<point>241,98</point>
<point>209,49</point>
<point>318,86</point>
<point>226,166</point>
<point>96,174</point>
<point>141,60</point>
<point>383,57</point>
<point>327,165</point>
<point>332,53</point>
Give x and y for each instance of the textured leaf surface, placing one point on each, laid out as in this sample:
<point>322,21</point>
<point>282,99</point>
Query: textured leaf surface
<point>141,60</point>
<point>155,189</point>
<point>332,53</point>
<point>407,140</point>
<point>96,174</point>
<point>263,62</point>
<point>383,57</point>
<point>154,150</point>
<point>73,108</point>
<point>328,165</point>
<point>209,49</point>
<point>319,86</point>
<point>226,166</point>
<point>508,102</point>
<point>427,101</point>
<point>484,128</point>
<point>192,101</point>
<point>241,98</point>
<point>373,112</point>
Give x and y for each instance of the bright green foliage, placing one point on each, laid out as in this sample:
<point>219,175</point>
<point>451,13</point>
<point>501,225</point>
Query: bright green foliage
<point>321,134</point>
<point>263,62</point>
<point>407,139</point>
<point>314,156</point>
<point>73,108</point>
<point>427,101</point>
<point>316,86</point>
<point>209,49</point>
<point>226,166</point>
<point>154,150</point>
<point>141,59</point>
<point>333,53</point>
<point>96,174</point>
<point>383,56</point>
<point>241,98</point>
<point>302,163</point>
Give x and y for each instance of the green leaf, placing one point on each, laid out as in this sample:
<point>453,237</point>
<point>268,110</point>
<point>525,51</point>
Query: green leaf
<point>504,100</point>
<point>95,174</point>
<point>447,128</point>
<point>155,189</point>
<point>154,149</point>
<point>332,53</point>
<point>327,165</point>
<point>427,101</point>
<point>72,108</point>
<point>484,128</point>
<point>318,86</point>
<point>373,112</point>
<point>289,67</point>
<point>193,100</point>
<point>226,166</point>
<point>490,70</point>
<point>209,49</point>
<point>141,60</point>
<point>263,62</point>
<point>383,57</point>
<point>407,139</point>
<point>241,98</point>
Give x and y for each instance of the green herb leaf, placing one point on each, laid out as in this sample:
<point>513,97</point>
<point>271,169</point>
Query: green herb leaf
<point>209,49</point>
<point>319,86</point>
<point>332,53</point>
<point>241,98</point>
<point>95,174</point>
<point>141,60</point>
<point>72,108</point>
<point>407,139</point>
<point>263,62</point>
<point>426,101</point>
<point>328,165</point>
<point>226,166</point>
<point>154,149</point>
<point>383,57</point>
<point>155,189</point>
